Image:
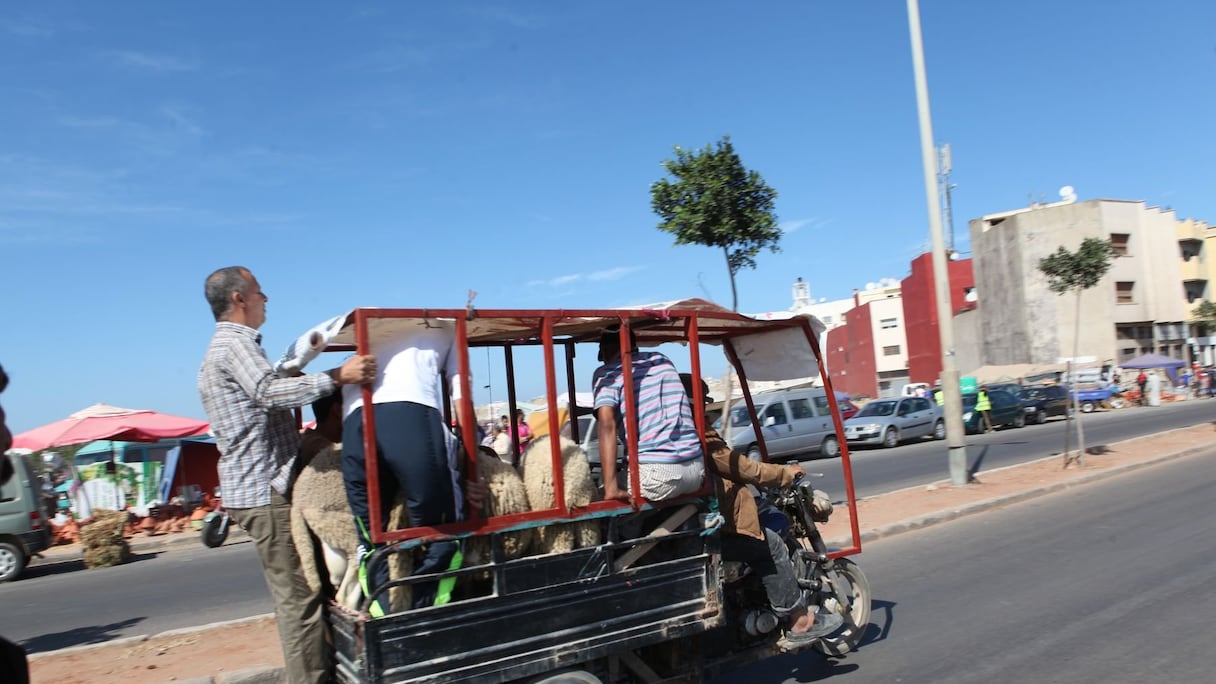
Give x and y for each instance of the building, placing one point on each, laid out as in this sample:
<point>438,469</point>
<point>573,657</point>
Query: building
<point>1140,305</point>
<point>921,316</point>
<point>1196,242</point>
<point>867,356</point>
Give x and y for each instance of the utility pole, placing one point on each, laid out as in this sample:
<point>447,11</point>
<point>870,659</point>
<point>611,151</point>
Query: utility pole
<point>951,392</point>
<point>944,167</point>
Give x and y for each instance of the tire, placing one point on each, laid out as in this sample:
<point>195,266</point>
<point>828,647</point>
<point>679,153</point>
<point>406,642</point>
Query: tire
<point>1087,407</point>
<point>830,447</point>
<point>754,453</point>
<point>850,582</point>
<point>1116,402</point>
<point>890,438</point>
<point>939,430</point>
<point>1019,421</point>
<point>215,529</point>
<point>1040,417</point>
<point>12,561</point>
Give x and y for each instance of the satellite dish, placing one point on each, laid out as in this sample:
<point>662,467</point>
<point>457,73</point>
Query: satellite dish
<point>1068,193</point>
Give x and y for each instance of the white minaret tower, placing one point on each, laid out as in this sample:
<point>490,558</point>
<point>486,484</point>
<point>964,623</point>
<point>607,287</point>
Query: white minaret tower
<point>802,295</point>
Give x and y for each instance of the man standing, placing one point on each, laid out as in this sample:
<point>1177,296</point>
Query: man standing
<point>670,463</point>
<point>249,406</point>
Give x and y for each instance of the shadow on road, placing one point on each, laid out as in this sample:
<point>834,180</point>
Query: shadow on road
<point>47,568</point>
<point>93,634</point>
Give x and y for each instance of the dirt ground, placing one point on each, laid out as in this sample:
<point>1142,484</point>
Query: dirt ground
<point>231,647</point>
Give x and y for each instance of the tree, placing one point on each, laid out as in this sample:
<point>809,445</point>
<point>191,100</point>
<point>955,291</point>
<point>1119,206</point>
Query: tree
<point>1204,318</point>
<point>714,201</point>
<point>1076,272</point>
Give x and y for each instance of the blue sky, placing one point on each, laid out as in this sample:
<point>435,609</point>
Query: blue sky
<point>401,154</point>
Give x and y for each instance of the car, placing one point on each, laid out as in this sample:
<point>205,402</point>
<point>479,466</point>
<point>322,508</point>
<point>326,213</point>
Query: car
<point>847,409</point>
<point>1006,409</point>
<point>1041,402</point>
<point>888,422</point>
<point>23,530</point>
<point>793,422</point>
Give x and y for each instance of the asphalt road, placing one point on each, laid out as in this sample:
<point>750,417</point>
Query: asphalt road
<point>1105,583</point>
<point>59,605</point>
<point>877,470</point>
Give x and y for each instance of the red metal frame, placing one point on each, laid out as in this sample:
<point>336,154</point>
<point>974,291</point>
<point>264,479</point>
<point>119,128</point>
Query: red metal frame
<point>698,325</point>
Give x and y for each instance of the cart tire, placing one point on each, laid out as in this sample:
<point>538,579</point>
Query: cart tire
<point>853,589</point>
<point>1087,407</point>
<point>1116,402</point>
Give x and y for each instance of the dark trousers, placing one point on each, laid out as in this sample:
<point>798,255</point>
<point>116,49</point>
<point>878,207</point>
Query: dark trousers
<point>771,561</point>
<point>298,610</point>
<point>412,457</point>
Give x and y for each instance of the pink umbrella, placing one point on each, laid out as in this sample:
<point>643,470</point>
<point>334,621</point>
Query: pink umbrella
<point>101,421</point>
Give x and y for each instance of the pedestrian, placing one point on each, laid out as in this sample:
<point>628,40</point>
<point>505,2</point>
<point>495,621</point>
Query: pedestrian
<point>1142,382</point>
<point>670,462</point>
<point>250,408</point>
<point>983,405</point>
<point>521,430</point>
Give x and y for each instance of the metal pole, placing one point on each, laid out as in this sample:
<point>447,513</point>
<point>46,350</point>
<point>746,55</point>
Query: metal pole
<point>951,392</point>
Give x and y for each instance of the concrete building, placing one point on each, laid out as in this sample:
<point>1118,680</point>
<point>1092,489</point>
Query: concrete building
<point>1138,307</point>
<point>868,356</point>
<point>1196,242</point>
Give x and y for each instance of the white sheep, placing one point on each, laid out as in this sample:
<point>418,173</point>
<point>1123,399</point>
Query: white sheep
<point>320,513</point>
<point>580,490</point>
<point>506,495</point>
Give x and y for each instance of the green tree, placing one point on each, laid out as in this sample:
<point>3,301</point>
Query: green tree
<point>713,200</point>
<point>1076,272</point>
<point>1204,318</point>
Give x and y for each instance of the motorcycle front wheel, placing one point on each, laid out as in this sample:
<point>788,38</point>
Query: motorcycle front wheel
<point>851,599</point>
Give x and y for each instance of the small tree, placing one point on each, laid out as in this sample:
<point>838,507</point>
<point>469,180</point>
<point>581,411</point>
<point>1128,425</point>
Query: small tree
<point>1204,318</point>
<point>714,201</point>
<point>1076,272</point>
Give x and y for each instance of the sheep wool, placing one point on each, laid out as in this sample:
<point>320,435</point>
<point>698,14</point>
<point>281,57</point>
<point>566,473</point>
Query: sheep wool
<point>580,490</point>
<point>506,495</point>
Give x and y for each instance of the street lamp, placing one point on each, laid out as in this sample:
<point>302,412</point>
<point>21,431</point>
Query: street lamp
<point>951,392</point>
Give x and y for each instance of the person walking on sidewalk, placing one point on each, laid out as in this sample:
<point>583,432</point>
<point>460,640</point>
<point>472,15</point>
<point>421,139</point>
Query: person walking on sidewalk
<point>984,406</point>
<point>249,406</point>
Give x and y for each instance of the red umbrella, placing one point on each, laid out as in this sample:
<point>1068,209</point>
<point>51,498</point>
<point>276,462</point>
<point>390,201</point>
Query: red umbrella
<point>101,421</point>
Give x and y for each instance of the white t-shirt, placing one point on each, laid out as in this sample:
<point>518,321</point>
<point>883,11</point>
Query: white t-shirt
<point>408,367</point>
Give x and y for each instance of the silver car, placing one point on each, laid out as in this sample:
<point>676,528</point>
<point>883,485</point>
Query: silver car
<point>891,421</point>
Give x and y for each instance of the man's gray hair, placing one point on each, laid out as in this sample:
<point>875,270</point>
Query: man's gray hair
<point>220,285</point>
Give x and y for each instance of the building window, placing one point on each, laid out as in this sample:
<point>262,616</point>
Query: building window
<point>1118,243</point>
<point>1124,292</point>
<point>888,323</point>
<point>827,320</point>
<point>892,350</point>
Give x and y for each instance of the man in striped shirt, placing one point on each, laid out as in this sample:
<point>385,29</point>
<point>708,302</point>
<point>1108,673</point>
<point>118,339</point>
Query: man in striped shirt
<point>670,463</point>
<point>249,406</point>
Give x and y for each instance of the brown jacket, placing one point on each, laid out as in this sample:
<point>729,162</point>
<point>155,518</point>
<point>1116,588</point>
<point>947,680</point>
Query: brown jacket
<point>735,471</point>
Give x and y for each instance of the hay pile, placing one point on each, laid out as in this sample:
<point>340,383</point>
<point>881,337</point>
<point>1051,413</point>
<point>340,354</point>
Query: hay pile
<point>103,540</point>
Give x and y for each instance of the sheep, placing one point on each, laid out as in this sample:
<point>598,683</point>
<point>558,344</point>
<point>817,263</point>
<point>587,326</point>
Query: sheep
<point>506,495</point>
<point>320,513</point>
<point>580,490</point>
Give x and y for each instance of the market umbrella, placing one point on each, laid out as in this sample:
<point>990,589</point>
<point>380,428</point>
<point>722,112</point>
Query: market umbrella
<point>101,421</point>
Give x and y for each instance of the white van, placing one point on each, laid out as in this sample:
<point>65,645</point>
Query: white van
<point>793,422</point>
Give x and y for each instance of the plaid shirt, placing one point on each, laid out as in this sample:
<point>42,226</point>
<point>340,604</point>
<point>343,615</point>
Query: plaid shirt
<point>249,406</point>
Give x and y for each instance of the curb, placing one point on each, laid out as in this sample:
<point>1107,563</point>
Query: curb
<point>133,640</point>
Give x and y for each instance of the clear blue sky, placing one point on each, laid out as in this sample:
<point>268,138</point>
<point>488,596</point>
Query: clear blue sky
<point>405,153</point>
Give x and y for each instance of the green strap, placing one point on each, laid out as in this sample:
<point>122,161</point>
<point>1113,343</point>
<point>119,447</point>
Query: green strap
<point>443,595</point>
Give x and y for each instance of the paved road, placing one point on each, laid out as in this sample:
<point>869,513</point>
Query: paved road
<point>877,470</point>
<point>59,605</point>
<point>1105,583</point>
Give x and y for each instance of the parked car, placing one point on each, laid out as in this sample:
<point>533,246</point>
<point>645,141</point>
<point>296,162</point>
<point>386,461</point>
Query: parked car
<point>1006,410</point>
<point>1041,402</point>
<point>794,421</point>
<point>23,531</point>
<point>847,409</point>
<point>890,421</point>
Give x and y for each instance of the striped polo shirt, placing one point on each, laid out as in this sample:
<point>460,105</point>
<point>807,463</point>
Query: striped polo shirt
<point>666,431</point>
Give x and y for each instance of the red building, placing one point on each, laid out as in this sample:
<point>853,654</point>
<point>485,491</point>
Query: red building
<point>920,312</point>
<point>850,354</point>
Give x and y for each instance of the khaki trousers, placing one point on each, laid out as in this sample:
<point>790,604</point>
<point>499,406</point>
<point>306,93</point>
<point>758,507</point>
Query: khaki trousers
<point>299,611</point>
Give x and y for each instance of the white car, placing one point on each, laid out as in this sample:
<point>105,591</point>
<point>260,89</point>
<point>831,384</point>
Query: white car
<point>891,421</point>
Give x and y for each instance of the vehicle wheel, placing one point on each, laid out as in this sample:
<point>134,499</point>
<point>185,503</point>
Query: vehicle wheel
<point>939,430</point>
<point>568,677</point>
<point>850,597</point>
<point>1116,402</point>
<point>830,447</point>
<point>1020,420</point>
<point>1087,407</point>
<point>890,438</point>
<point>754,453</point>
<point>1040,417</point>
<point>215,529</point>
<point>12,561</point>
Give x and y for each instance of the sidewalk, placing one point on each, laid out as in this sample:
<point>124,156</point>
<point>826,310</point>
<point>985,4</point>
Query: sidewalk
<point>247,651</point>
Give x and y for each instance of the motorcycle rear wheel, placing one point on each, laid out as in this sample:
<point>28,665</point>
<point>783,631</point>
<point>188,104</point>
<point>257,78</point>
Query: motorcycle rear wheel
<point>853,588</point>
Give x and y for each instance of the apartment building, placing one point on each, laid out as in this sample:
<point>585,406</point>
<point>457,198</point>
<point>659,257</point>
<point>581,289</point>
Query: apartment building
<point>1140,305</point>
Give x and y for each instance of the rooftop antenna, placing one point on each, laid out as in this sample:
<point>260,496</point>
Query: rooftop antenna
<point>945,165</point>
<point>1068,194</point>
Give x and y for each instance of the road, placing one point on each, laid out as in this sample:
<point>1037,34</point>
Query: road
<point>58,605</point>
<point>878,470</point>
<point>1105,583</point>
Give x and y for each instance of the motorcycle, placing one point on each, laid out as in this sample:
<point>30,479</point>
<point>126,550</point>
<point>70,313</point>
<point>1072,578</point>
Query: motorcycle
<point>835,585</point>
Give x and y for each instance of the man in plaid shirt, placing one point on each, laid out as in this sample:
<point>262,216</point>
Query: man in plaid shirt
<point>249,406</point>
